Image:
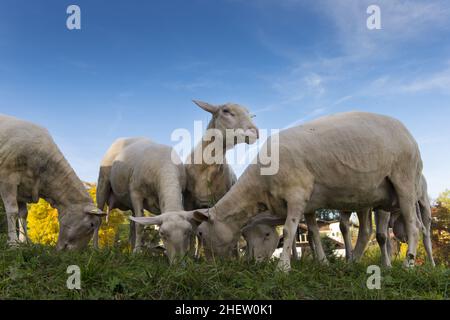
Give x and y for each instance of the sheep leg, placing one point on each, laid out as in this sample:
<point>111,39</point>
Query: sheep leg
<point>313,229</point>
<point>193,246</point>
<point>346,234</point>
<point>404,185</point>
<point>425,212</point>
<point>132,237</point>
<point>407,206</point>
<point>8,193</point>
<point>199,247</point>
<point>310,239</point>
<point>295,214</point>
<point>23,229</point>
<point>364,234</point>
<point>138,211</point>
<point>382,224</point>
<point>294,247</point>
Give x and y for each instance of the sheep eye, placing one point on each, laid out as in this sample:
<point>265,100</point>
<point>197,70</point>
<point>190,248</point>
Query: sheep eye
<point>92,225</point>
<point>227,111</point>
<point>267,234</point>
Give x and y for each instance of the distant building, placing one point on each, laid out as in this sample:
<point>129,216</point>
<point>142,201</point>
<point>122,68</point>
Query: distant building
<point>329,229</point>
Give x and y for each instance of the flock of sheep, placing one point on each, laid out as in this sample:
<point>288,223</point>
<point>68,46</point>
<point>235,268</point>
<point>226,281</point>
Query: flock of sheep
<point>353,161</point>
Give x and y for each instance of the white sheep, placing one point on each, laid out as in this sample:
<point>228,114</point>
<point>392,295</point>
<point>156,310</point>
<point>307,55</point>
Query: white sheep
<point>384,220</point>
<point>138,174</point>
<point>208,181</point>
<point>348,161</point>
<point>33,167</point>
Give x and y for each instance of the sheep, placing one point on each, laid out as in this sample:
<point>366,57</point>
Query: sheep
<point>33,167</point>
<point>138,174</point>
<point>259,233</point>
<point>383,220</point>
<point>347,161</point>
<point>207,182</point>
<point>261,236</point>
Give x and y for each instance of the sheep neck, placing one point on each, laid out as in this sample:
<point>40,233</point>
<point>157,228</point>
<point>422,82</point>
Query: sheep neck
<point>208,160</point>
<point>171,194</point>
<point>240,204</point>
<point>60,186</point>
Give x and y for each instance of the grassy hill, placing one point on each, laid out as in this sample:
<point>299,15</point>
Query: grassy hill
<point>38,272</point>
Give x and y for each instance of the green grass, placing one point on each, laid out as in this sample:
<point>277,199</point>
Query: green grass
<point>38,272</point>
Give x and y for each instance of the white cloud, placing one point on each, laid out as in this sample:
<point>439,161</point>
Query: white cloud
<point>402,21</point>
<point>438,82</point>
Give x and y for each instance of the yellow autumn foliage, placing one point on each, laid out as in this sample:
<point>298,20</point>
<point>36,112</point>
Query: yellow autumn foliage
<point>108,231</point>
<point>43,226</point>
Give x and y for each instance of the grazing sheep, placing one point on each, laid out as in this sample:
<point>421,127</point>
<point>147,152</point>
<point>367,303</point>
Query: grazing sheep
<point>204,181</point>
<point>32,167</point>
<point>138,174</point>
<point>347,161</point>
<point>261,236</point>
<point>383,220</point>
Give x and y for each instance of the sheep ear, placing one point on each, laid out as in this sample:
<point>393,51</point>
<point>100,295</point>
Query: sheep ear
<point>158,249</point>
<point>94,212</point>
<point>268,219</point>
<point>272,221</point>
<point>147,220</point>
<point>194,219</point>
<point>206,106</point>
<point>201,215</point>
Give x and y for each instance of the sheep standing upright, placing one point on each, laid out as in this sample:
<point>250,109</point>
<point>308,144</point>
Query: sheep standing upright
<point>207,182</point>
<point>32,167</point>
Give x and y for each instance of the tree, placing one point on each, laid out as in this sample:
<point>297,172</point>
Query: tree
<point>441,227</point>
<point>327,215</point>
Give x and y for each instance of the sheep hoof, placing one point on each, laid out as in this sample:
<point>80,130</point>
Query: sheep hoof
<point>138,250</point>
<point>284,266</point>
<point>13,244</point>
<point>409,263</point>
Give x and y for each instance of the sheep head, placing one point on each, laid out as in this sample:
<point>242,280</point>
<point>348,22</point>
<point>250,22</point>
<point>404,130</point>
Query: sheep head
<point>232,118</point>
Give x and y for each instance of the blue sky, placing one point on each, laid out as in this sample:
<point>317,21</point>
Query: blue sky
<point>135,66</point>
